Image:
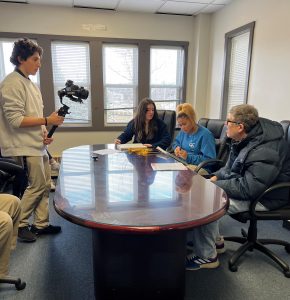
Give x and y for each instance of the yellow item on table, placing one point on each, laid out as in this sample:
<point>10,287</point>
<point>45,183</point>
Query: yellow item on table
<point>140,151</point>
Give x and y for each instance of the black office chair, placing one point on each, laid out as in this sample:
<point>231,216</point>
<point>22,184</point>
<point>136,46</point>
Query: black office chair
<point>250,241</point>
<point>222,142</point>
<point>169,118</point>
<point>13,178</point>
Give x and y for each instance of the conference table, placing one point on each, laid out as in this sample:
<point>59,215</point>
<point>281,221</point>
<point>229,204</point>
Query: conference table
<point>139,217</point>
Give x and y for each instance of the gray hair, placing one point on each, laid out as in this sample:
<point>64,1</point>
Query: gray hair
<point>246,114</point>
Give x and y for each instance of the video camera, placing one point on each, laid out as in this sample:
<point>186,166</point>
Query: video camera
<point>74,93</point>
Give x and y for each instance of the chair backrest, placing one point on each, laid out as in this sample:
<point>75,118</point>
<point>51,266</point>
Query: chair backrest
<point>218,128</point>
<point>286,124</point>
<point>13,178</point>
<point>169,118</point>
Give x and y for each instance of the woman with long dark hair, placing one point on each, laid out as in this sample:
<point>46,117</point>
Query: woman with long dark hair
<point>146,127</point>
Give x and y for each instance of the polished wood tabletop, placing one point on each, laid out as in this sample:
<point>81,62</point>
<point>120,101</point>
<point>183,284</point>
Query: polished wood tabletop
<point>121,192</point>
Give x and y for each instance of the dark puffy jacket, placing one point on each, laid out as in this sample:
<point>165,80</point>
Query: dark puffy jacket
<point>257,162</point>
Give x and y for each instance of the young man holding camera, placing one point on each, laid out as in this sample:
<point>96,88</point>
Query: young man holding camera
<point>23,137</point>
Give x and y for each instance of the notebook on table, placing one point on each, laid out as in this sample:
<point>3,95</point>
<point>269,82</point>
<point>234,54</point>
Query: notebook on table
<point>172,155</point>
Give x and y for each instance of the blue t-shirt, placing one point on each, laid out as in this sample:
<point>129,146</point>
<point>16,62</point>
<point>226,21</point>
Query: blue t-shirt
<point>199,146</point>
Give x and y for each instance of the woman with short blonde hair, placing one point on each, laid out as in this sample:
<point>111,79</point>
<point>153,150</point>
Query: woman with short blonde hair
<point>194,143</point>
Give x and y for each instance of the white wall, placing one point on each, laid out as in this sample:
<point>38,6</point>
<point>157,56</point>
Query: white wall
<point>269,89</point>
<point>69,21</point>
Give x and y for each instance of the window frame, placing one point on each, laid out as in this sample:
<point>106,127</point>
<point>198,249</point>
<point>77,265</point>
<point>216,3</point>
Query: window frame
<point>182,93</point>
<point>227,63</point>
<point>96,69</point>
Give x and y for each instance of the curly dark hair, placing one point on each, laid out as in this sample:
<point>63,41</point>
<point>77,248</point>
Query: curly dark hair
<point>24,48</point>
<point>139,120</point>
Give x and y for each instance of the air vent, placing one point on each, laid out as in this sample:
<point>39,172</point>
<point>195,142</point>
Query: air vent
<point>172,14</point>
<point>14,2</point>
<point>89,7</point>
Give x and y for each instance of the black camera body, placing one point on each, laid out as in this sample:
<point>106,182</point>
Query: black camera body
<point>73,92</point>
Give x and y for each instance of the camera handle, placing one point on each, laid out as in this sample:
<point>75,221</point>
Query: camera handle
<point>61,112</point>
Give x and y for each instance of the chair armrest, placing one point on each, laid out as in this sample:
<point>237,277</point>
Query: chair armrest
<point>10,167</point>
<point>270,189</point>
<point>207,162</point>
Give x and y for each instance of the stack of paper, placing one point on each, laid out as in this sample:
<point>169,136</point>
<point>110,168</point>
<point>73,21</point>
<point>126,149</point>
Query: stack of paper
<point>131,146</point>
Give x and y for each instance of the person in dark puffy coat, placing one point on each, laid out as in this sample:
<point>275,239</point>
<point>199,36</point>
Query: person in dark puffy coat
<point>256,162</point>
<point>259,157</point>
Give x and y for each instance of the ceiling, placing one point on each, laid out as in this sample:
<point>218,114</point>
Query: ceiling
<point>179,7</point>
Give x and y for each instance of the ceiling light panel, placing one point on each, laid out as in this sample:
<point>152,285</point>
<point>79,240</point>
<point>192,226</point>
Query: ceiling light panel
<point>222,1</point>
<point>52,2</point>
<point>192,1</point>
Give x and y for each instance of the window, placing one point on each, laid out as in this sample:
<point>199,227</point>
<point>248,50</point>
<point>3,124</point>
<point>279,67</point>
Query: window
<point>6,67</point>
<point>166,76</point>
<point>70,61</point>
<point>118,73</point>
<point>120,76</point>
<point>238,47</point>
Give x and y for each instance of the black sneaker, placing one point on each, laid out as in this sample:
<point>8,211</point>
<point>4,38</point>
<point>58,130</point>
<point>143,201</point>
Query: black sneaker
<point>25,235</point>
<point>50,229</point>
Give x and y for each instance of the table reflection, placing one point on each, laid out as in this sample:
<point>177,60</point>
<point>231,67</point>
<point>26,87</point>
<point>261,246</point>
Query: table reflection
<point>122,189</point>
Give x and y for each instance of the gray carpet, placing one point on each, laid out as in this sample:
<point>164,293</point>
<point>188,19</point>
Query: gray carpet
<point>60,268</point>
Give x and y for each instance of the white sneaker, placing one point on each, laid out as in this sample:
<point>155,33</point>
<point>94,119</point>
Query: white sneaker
<point>52,186</point>
<point>54,165</point>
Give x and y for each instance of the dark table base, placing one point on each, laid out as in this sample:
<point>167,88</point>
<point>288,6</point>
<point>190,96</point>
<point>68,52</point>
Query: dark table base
<point>139,266</point>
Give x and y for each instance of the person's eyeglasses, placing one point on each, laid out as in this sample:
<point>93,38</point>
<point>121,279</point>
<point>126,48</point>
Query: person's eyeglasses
<point>234,122</point>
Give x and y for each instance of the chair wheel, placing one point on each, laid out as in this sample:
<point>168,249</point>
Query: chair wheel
<point>244,233</point>
<point>234,268</point>
<point>287,274</point>
<point>287,248</point>
<point>20,285</point>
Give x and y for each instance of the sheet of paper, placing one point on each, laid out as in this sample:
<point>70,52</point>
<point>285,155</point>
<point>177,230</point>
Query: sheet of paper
<point>106,151</point>
<point>168,166</point>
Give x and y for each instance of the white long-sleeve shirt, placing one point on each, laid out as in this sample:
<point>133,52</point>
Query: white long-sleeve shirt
<point>19,98</point>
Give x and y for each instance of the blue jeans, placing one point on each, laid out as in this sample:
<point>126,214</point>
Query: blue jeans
<point>204,237</point>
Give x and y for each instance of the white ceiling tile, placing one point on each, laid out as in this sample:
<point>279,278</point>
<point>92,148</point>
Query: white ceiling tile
<point>140,5</point>
<point>109,4</point>
<point>211,8</point>
<point>184,8</point>
<point>52,2</point>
